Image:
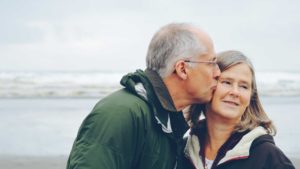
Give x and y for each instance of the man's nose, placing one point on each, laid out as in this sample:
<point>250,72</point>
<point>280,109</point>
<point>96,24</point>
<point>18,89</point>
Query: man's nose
<point>217,72</point>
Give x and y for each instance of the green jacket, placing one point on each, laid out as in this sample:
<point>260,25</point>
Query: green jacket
<point>136,127</point>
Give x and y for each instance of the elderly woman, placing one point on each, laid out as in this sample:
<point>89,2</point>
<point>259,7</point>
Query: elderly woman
<point>236,132</point>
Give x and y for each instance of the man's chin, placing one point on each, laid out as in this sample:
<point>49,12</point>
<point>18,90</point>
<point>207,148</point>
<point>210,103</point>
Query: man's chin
<point>205,100</point>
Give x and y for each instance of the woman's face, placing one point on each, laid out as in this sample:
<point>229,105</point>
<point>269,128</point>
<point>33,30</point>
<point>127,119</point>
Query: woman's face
<point>233,93</point>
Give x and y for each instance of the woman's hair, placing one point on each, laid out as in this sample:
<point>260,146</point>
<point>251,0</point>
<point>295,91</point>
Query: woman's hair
<point>254,114</point>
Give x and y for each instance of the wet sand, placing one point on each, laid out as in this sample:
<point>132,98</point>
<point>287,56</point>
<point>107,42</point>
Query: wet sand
<point>29,162</point>
<point>55,162</point>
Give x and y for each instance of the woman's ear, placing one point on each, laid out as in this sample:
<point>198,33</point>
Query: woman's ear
<point>181,69</point>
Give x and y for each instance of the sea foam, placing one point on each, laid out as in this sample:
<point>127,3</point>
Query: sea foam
<point>99,84</point>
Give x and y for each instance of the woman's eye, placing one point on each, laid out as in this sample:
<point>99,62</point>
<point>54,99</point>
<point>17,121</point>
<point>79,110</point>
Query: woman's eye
<point>225,82</point>
<point>244,87</point>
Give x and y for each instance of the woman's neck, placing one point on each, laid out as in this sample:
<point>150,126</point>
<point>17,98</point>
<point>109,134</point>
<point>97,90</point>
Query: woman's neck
<point>218,132</point>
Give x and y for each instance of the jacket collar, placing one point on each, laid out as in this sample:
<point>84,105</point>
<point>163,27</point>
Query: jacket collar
<point>149,86</point>
<point>166,114</point>
<point>242,149</point>
<point>239,151</point>
<point>161,91</point>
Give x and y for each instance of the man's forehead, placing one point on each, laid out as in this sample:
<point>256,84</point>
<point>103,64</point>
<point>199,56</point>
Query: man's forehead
<point>208,56</point>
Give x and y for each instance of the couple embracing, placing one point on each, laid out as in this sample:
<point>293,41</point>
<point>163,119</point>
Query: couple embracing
<point>142,125</point>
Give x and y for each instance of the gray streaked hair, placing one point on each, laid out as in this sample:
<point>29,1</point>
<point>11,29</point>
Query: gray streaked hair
<point>171,43</point>
<point>254,114</point>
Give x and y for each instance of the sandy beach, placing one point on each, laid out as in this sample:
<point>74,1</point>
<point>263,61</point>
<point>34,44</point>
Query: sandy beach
<point>54,162</point>
<point>31,162</point>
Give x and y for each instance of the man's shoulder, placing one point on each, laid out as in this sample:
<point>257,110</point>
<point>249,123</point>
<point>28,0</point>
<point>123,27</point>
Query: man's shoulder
<point>122,98</point>
<point>122,103</point>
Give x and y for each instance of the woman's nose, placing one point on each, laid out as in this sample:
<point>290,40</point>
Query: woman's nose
<point>235,91</point>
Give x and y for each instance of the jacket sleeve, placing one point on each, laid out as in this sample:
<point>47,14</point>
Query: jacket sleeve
<point>108,140</point>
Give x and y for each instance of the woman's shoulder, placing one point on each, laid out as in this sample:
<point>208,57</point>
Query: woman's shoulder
<point>264,148</point>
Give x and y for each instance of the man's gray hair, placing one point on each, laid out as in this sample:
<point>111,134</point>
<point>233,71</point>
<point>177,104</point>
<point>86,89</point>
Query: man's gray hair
<point>171,43</point>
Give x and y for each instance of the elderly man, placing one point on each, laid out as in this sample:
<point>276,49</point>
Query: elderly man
<point>141,126</point>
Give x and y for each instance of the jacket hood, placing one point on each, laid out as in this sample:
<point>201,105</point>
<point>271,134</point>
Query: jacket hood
<point>131,80</point>
<point>242,149</point>
<point>149,86</point>
<point>152,82</point>
<point>263,139</point>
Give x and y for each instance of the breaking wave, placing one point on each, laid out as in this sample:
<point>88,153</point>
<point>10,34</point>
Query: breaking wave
<point>99,84</point>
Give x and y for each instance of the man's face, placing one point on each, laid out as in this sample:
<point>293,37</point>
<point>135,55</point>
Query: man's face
<point>202,79</point>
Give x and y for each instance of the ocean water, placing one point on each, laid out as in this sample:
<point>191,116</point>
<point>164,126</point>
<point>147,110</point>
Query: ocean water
<point>43,127</point>
<point>40,127</point>
<point>40,112</point>
<point>58,84</point>
<point>94,84</point>
<point>285,113</point>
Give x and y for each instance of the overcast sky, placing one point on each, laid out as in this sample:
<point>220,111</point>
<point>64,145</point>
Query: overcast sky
<point>114,35</point>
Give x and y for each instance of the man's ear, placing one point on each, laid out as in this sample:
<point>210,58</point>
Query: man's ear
<point>181,69</point>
